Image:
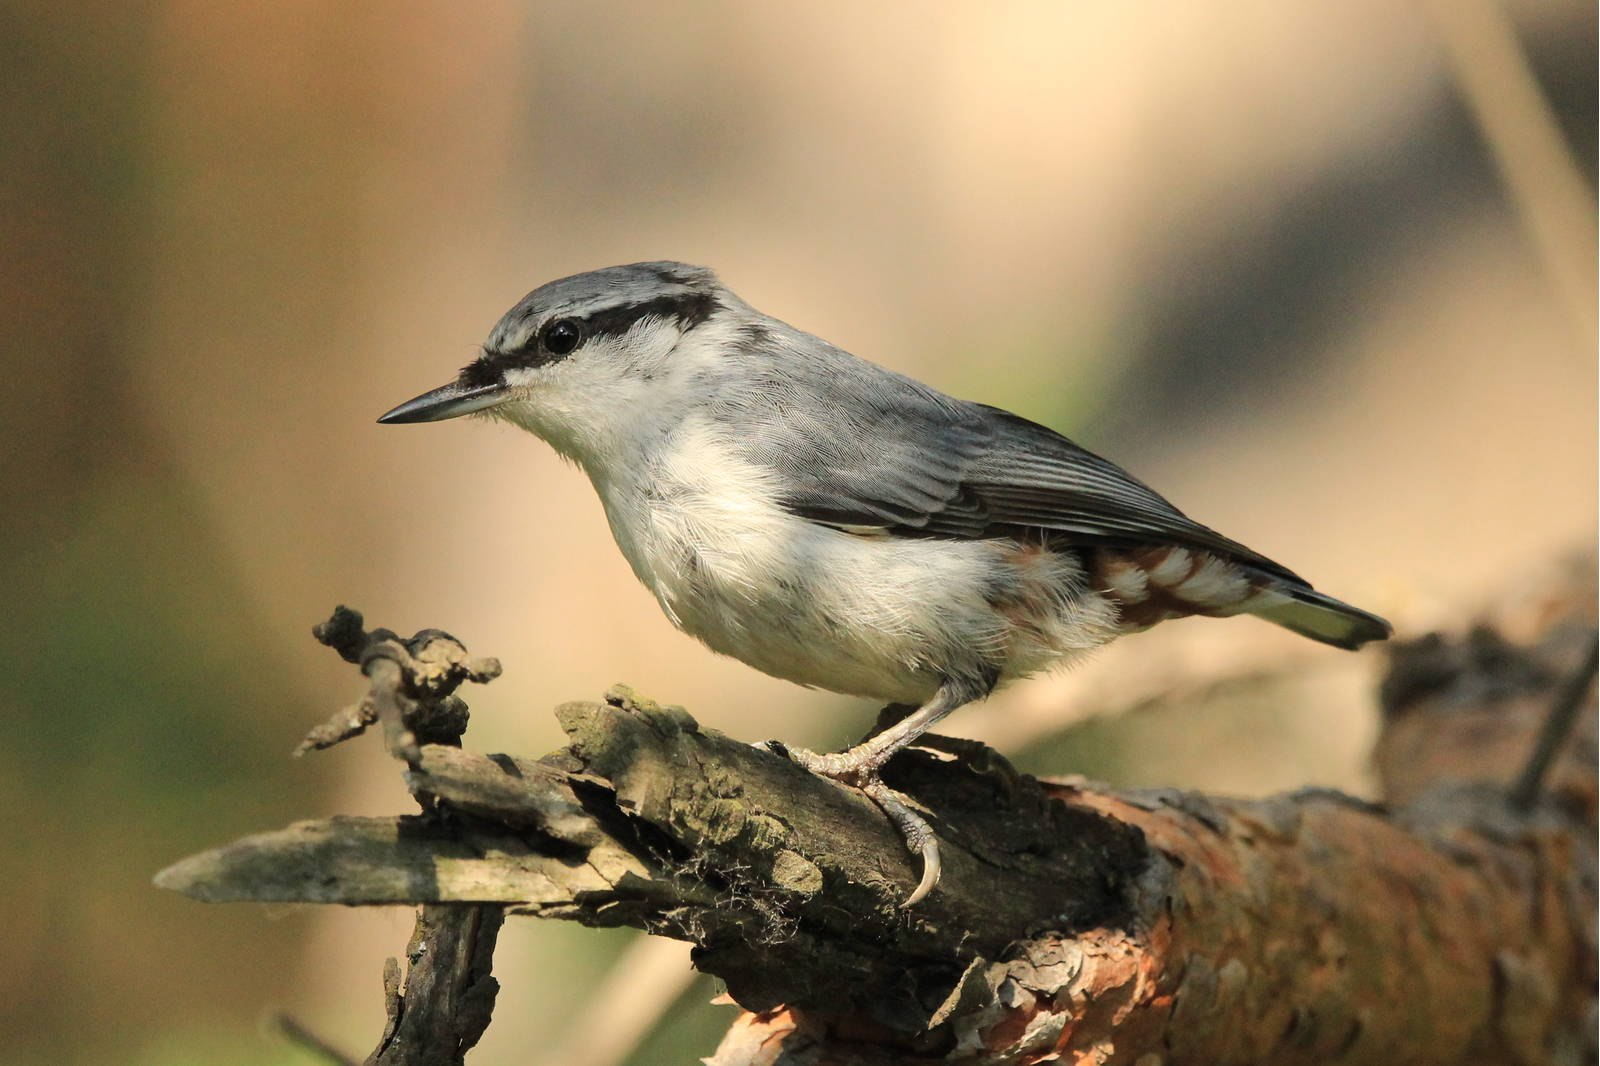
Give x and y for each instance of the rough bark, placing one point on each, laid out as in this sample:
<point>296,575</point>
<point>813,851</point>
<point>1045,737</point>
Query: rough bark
<point>442,1007</point>
<point>1074,923</point>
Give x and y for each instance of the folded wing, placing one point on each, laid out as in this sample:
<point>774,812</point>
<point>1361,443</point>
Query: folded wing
<point>889,454</point>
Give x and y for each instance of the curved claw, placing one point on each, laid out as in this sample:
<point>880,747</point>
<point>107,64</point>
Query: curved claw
<point>918,836</point>
<point>863,777</point>
<point>932,867</point>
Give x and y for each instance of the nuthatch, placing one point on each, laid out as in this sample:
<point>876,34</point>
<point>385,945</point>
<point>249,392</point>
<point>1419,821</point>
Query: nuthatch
<point>842,526</point>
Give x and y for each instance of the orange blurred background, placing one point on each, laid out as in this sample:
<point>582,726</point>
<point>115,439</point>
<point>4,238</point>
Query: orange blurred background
<point>1302,267</point>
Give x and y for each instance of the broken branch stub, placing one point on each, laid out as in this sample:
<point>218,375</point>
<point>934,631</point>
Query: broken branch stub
<point>413,683</point>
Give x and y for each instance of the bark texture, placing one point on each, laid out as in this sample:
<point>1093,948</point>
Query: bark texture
<point>1074,923</point>
<point>442,1007</point>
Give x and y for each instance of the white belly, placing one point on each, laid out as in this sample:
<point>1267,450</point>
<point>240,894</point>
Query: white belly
<point>877,616</point>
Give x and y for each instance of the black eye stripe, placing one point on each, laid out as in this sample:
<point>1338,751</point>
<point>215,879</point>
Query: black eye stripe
<point>487,369</point>
<point>689,309</point>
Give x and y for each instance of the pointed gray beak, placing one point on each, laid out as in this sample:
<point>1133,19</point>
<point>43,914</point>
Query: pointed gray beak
<point>447,401</point>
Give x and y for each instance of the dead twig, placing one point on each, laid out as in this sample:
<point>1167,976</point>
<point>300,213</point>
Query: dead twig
<point>1564,711</point>
<point>290,1029</point>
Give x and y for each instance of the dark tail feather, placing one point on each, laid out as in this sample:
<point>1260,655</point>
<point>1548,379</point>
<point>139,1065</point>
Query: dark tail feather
<point>1311,614</point>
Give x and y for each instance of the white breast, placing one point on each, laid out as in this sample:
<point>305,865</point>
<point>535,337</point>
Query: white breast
<point>875,616</point>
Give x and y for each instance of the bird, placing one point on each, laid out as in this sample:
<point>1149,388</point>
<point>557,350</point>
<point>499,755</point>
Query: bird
<point>834,523</point>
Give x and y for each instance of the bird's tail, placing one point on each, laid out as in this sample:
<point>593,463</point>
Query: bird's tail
<point>1308,612</point>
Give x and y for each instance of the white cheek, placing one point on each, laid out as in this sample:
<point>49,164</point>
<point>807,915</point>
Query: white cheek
<point>591,411</point>
<point>523,377</point>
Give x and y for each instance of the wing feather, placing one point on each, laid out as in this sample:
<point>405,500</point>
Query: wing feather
<point>885,452</point>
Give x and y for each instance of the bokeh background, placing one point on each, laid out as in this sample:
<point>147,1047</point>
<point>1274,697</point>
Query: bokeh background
<point>1322,272</point>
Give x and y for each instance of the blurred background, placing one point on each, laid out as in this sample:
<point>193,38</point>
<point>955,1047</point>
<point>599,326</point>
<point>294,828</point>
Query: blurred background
<point>1323,273</point>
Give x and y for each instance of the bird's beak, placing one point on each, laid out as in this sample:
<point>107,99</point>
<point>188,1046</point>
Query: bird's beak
<point>447,401</point>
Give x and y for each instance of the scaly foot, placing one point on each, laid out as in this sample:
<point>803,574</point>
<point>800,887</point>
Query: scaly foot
<point>859,770</point>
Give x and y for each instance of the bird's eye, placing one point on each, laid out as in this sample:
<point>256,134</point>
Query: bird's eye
<point>562,336</point>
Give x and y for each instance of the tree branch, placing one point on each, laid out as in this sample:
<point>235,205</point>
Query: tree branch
<point>442,1008</point>
<point>1074,923</point>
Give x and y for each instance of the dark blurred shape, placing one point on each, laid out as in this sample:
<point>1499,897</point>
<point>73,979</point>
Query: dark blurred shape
<point>1244,319</point>
<point>1562,54</point>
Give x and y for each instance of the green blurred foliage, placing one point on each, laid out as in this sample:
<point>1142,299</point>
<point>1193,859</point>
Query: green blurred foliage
<point>690,1030</point>
<point>147,700</point>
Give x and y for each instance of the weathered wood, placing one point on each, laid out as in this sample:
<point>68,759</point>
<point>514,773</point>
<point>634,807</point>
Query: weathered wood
<point>441,1009</point>
<point>400,860</point>
<point>646,819</point>
<point>1074,923</point>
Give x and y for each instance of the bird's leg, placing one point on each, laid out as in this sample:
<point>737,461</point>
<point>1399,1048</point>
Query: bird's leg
<point>867,757</point>
<point>888,716</point>
<point>858,767</point>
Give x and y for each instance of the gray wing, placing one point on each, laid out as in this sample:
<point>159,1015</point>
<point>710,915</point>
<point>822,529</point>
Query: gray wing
<point>888,453</point>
